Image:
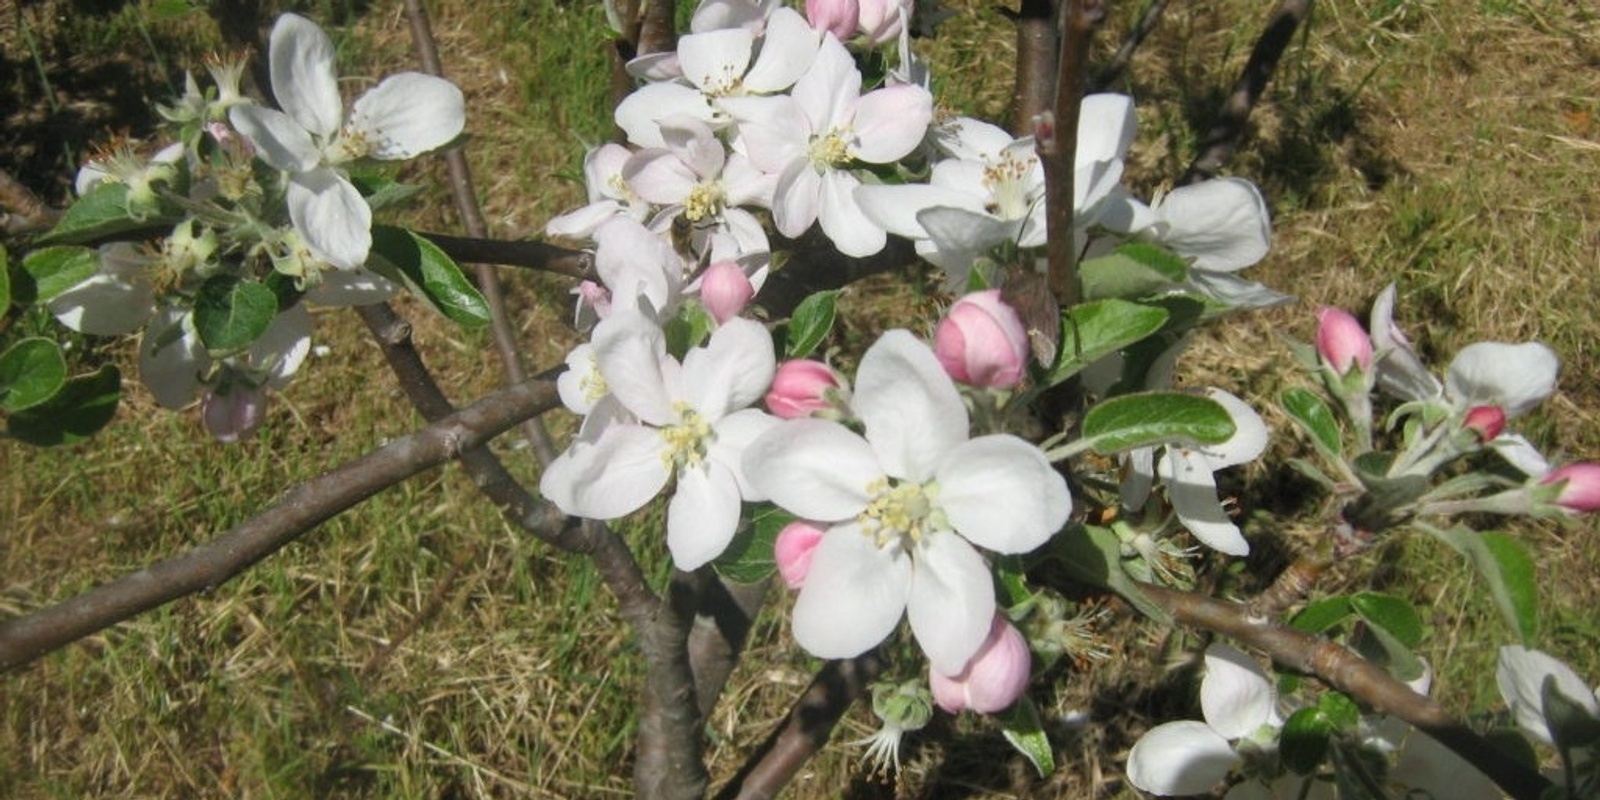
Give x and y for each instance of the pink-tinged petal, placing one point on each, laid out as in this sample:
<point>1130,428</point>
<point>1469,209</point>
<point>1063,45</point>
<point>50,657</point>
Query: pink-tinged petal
<point>301,61</point>
<point>854,596</point>
<point>657,174</point>
<point>838,17</point>
<point>1193,491</point>
<point>797,198</point>
<point>813,468</point>
<point>732,371</point>
<point>631,352</point>
<point>283,346</point>
<point>278,139</point>
<point>851,231</point>
<point>640,113</point>
<point>582,223</point>
<point>1521,673</point>
<point>408,114</point>
<point>894,207</point>
<point>1180,758</point>
<point>600,165</point>
<point>1236,696</point>
<point>951,606</point>
<point>1342,343</point>
<point>1250,434</point>
<point>355,287</point>
<point>912,412</point>
<point>1515,377</point>
<point>1001,494</point>
<point>994,677</point>
<point>732,435</point>
<point>828,91</point>
<point>331,216</point>
<point>612,477</point>
<point>890,122</point>
<point>1222,224</point>
<point>715,61</point>
<point>1106,127</point>
<point>786,53</point>
<point>792,551</point>
<point>702,516</point>
<point>692,140</point>
<point>171,358</point>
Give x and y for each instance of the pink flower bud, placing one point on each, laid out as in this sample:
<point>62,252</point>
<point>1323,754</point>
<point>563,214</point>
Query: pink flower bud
<point>994,677</point>
<point>1486,421</point>
<point>838,17</point>
<point>234,414</point>
<point>883,20</point>
<point>793,549</point>
<point>801,387</point>
<point>593,295</point>
<point>1341,341</point>
<point>725,290</point>
<point>1581,491</point>
<point>982,342</point>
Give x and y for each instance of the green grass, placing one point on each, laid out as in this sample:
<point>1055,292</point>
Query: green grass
<point>1451,150</point>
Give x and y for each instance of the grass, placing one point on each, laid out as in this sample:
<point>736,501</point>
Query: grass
<point>1449,147</point>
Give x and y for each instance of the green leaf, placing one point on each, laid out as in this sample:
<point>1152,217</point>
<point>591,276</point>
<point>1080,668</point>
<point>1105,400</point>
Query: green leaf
<point>1303,742</point>
<point>5,281</point>
<point>428,273</point>
<point>1342,712</point>
<point>1321,615</point>
<point>1095,330</point>
<point>1308,410</point>
<point>230,313</point>
<point>382,190</point>
<point>749,558</point>
<point>31,372</point>
<point>84,405</point>
<point>54,270</point>
<point>810,323</point>
<point>1021,726</point>
<point>1092,554</point>
<point>1152,418</point>
<point>1571,723</point>
<point>1132,270</point>
<point>100,213</point>
<point>1390,613</point>
<point>1507,567</point>
<point>1379,645</point>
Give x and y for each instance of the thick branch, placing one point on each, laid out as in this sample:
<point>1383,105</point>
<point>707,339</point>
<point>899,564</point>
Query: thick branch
<point>1058,143</point>
<point>295,513</point>
<point>1355,676</point>
<point>671,740</point>
<point>724,612</point>
<point>805,730</point>
<point>524,253</point>
<point>1219,143</point>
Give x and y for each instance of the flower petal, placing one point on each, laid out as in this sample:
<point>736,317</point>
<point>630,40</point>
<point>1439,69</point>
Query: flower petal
<point>1222,224</point>
<point>786,53</point>
<point>278,139</point>
<point>797,198</point>
<point>732,371</point>
<point>1250,434</point>
<point>702,516</point>
<point>303,77</point>
<point>332,217</point>
<point>813,468</point>
<point>408,114</point>
<point>1236,696</point>
<point>1000,493</point>
<point>1521,673</point>
<point>890,122</point>
<point>715,61</point>
<point>1180,758</point>
<point>631,352</point>
<point>850,230</point>
<point>1515,377</point>
<point>951,606</point>
<point>610,478</point>
<point>1193,491</point>
<point>171,358</point>
<point>912,412</point>
<point>854,595</point>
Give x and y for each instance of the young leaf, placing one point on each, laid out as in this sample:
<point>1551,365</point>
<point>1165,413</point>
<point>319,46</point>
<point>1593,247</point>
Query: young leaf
<point>31,372</point>
<point>1152,418</point>
<point>749,557</point>
<point>810,323</point>
<point>100,213</point>
<point>1097,329</point>
<point>430,274</point>
<point>230,313</point>
<point>1093,555</point>
<point>1303,743</point>
<point>1132,270</point>
<point>1507,567</point>
<point>84,405</point>
<point>1321,615</point>
<point>1021,726</point>
<point>1341,711</point>
<point>1315,418</point>
<point>1572,724</point>
<point>54,270</point>
<point>1390,613</point>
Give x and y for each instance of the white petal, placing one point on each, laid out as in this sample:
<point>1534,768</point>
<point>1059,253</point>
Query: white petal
<point>1515,377</point>
<point>1400,372</point>
<point>732,371</point>
<point>1193,492</point>
<point>1106,127</point>
<point>610,478</point>
<point>951,606</point>
<point>1236,696</point>
<point>1180,758</point>
<point>631,352</point>
<point>278,139</point>
<point>786,52</point>
<point>912,412</point>
<point>1250,434</point>
<point>303,77</point>
<point>639,113</point>
<point>828,91</point>
<point>715,61</point>
<point>106,304</point>
<point>283,346</point>
<point>408,114</point>
<point>1433,770</point>
<point>797,199</point>
<point>971,139</point>
<point>332,217</point>
<point>702,516</point>
<point>894,207</point>
<point>659,176</point>
<point>1521,673</point>
<point>850,230</point>
<point>734,433</point>
<point>171,359</point>
<point>854,595</point>
<point>813,468</point>
<point>1000,493</point>
<point>1222,224</point>
<point>635,263</point>
<point>890,122</point>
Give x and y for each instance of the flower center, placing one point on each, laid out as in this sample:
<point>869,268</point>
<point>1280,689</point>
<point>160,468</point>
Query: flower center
<point>899,511</point>
<point>593,383</point>
<point>831,149</point>
<point>705,200</point>
<point>687,441</point>
<point>1006,181</point>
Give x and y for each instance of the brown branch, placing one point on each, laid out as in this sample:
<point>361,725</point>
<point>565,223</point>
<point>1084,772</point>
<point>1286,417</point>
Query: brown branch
<point>806,729</point>
<point>1353,675</point>
<point>1217,146</point>
<point>21,211</point>
<point>658,31</point>
<point>1119,62</point>
<point>1035,86</point>
<point>525,253</point>
<point>669,763</point>
<point>1057,142</point>
<point>297,512</point>
<point>724,612</point>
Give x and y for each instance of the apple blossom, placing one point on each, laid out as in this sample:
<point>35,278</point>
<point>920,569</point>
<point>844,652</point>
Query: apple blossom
<point>1521,674</point>
<point>802,387</point>
<point>982,342</point>
<point>1579,486</point>
<point>838,17</point>
<point>907,503</point>
<point>994,677</point>
<point>1188,757</point>
<point>1486,422</point>
<point>725,290</point>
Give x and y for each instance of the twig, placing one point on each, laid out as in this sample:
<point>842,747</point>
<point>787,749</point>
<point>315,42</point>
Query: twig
<point>1349,673</point>
<point>297,512</point>
<point>1119,62</point>
<point>21,211</point>
<point>525,253</point>
<point>1217,146</point>
<point>1057,140</point>
<point>1035,86</point>
<point>806,729</point>
<point>466,198</point>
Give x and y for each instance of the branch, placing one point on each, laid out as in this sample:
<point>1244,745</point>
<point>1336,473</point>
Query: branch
<point>298,511</point>
<point>21,211</point>
<point>1057,142</point>
<point>525,253</point>
<point>671,740</point>
<point>1035,85</point>
<point>806,729</point>
<point>1342,669</point>
<point>1119,62</point>
<point>724,612</point>
<point>1219,143</point>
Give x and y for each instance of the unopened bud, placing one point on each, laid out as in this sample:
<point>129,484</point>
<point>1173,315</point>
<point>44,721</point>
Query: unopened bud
<point>982,342</point>
<point>793,550</point>
<point>1341,341</point>
<point>838,17</point>
<point>1485,421</point>
<point>1579,486</point>
<point>233,413</point>
<point>725,290</point>
<point>993,679</point>
<point>802,387</point>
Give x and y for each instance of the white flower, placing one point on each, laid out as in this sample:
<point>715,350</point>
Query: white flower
<point>173,363</point>
<point>1521,674</point>
<point>1188,757</point>
<point>907,504</point>
<point>403,116</point>
<point>609,195</point>
<point>693,176</point>
<point>693,422</point>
